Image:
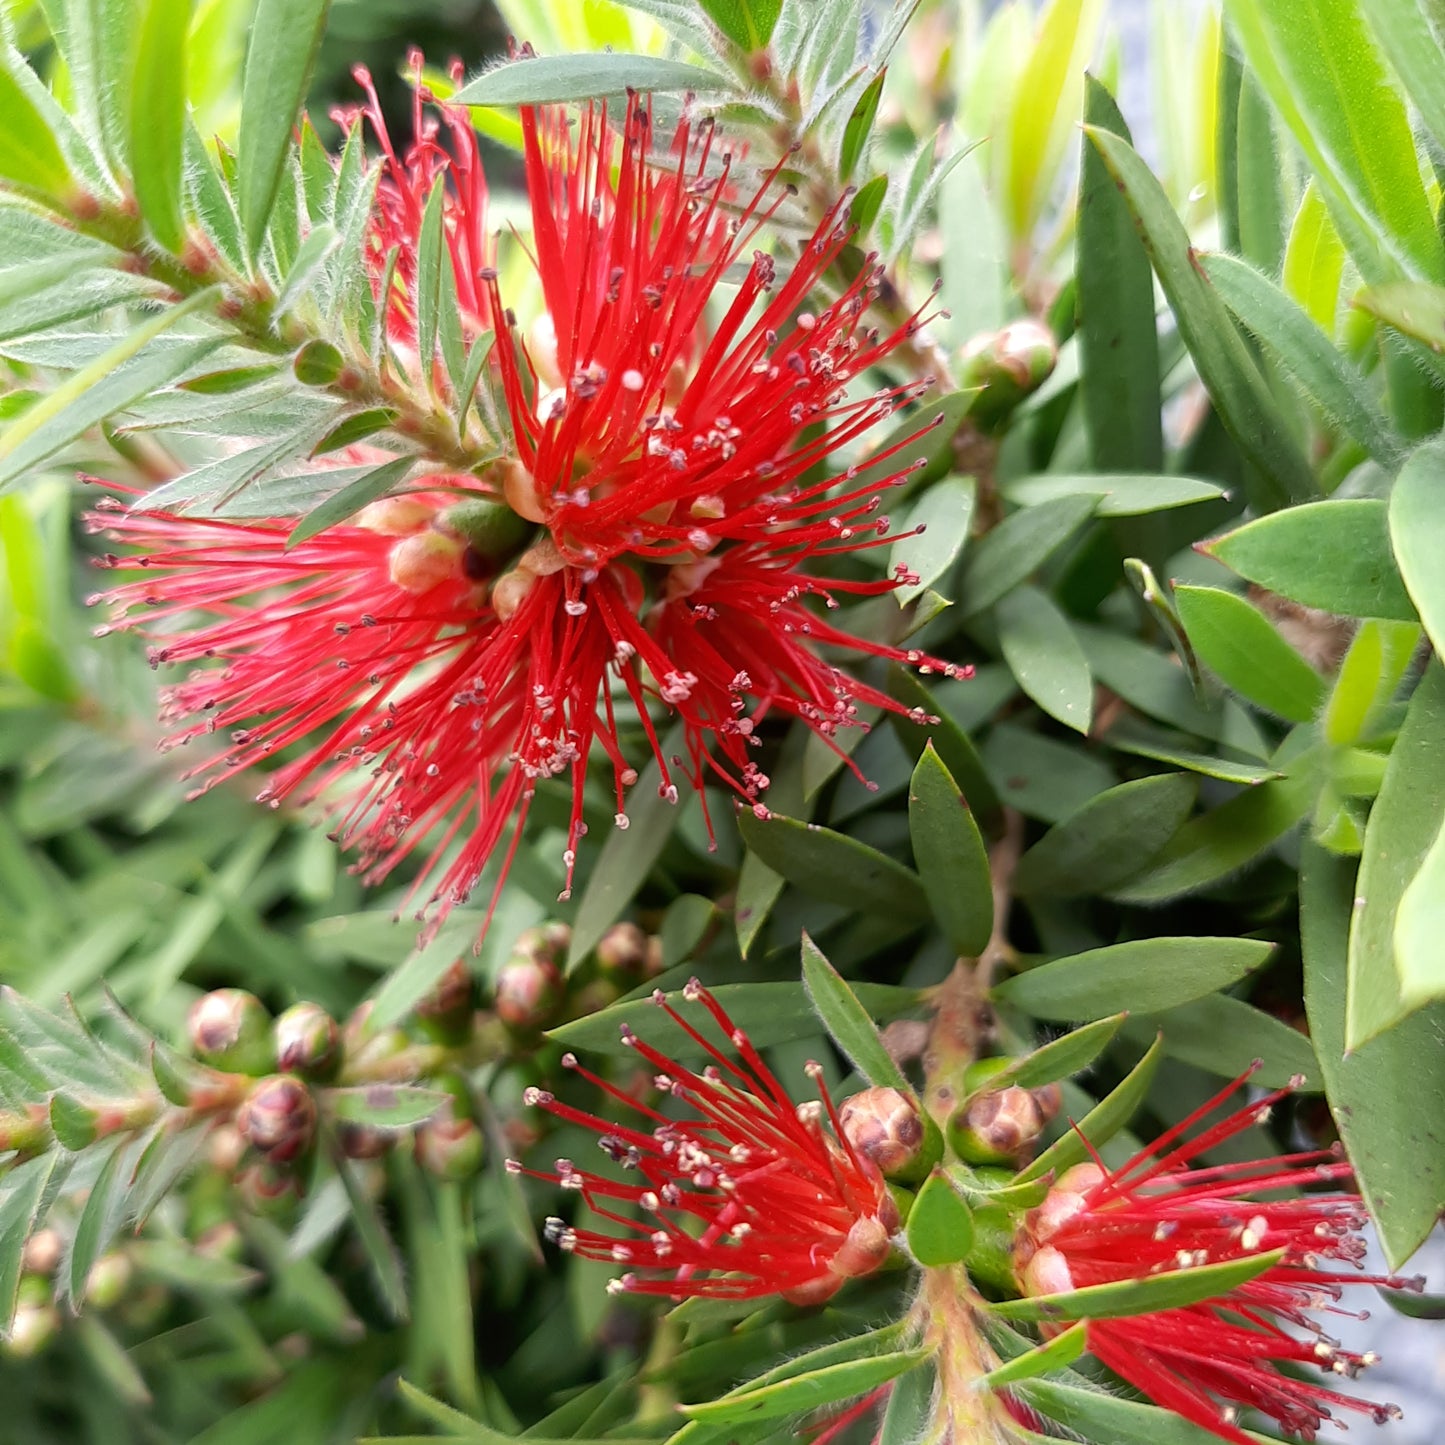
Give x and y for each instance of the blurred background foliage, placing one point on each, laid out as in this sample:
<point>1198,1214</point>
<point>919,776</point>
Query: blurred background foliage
<point>1177,753</point>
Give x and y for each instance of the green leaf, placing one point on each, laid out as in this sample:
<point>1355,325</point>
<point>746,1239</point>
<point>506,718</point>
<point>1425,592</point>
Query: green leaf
<point>1120,494</point>
<point>1333,555</point>
<point>285,37</point>
<point>1235,385</point>
<point>381,1251</point>
<point>1059,1058</point>
<point>940,1226</point>
<point>1130,735</point>
<point>1142,976</point>
<point>1297,344</point>
<point>859,127</point>
<point>1101,1123</point>
<point>384,1106</point>
<point>627,856</point>
<point>1372,670</point>
<point>1321,70</point>
<point>811,1391</point>
<point>748,24</point>
<point>1118,332</point>
<point>1419,927</point>
<point>351,499</point>
<point>1403,826</point>
<point>1220,842</point>
<point>99,1221</point>
<point>1413,308</point>
<point>1314,260</point>
<point>942,517</point>
<point>308,267</point>
<point>29,154</point>
<point>1094,1414</point>
<point>28,1189</point>
<point>949,854</point>
<point>158,117</point>
<point>1417,535</point>
<point>1110,839</point>
<point>955,748</point>
<point>1226,1036</point>
<point>1260,158</point>
<point>113,381</point>
<point>1045,1359</point>
<point>1412,49</point>
<point>1045,657</point>
<point>833,867</point>
<point>1018,546</point>
<point>1041,777</point>
<point>848,1023</point>
<point>1239,644</point>
<point>1398,1154</point>
<point>768,1013</point>
<point>549,79</point>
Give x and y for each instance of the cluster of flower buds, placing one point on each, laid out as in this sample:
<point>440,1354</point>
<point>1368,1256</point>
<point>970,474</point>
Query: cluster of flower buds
<point>38,1318</point>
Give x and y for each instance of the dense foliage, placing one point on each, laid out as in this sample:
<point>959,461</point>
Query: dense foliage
<point>873,653</point>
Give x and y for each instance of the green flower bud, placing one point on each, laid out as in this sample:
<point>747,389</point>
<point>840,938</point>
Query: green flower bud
<point>528,993</point>
<point>450,1148</point>
<point>268,1188</point>
<point>445,1013</point>
<point>36,1322</point>
<point>1008,365</point>
<point>308,1042</point>
<point>279,1118</point>
<point>548,941</point>
<point>230,1029</point>
<point>623,950</point>
<point>109,1278</point>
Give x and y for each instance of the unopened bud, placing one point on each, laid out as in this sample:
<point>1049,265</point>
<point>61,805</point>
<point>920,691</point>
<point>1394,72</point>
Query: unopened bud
<point>231,1030</point>
<point>266,1187</point>
<point>279,1118</point>
<point>520,489</point>
<point>35,1324</point>
<point>1008,365</point>
<point>993,1127</point>
<point>364,1141</point>
<point>623,950</point>
<point>450,1148</point>
<point>445,1011</point>
<point>42,1252</point>
<point>425,560</point>
<point>396,516</point>
<point>308,1042</point>
<point>109,1278</point>
<point>549,941</point>
<point>528,993</point>
<point>511,590</point>
<point>883,1125</point>
<point>225,1148</point>
<point>491,531</point>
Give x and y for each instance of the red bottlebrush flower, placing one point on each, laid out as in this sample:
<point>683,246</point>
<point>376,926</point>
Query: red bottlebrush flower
<point>743,1194</point>
<point>405,186</point>
<point>1210,1360</point>
<point>669,480</point>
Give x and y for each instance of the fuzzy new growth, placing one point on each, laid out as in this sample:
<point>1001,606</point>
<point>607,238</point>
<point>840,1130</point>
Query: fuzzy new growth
<point>1210,1361</point>
<point>741,1193</point>
<point>668,530</point>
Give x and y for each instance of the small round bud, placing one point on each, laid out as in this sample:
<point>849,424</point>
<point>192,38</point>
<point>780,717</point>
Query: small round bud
<point>510,590</point>
<point>395,516</point>
<point>1008,365</point>
<point>279,1118</point>
<point>308,1042</point>
<point>225,1148</point>
<point>268,1188</point>
<point>363,1141</point>
<point>445,1011</point>
<point>450,1148</point>
<point>425,560</point>
<point>521,491</point>
<point>42,1252</point>
<point>865,1248</point>
<point>623,950</point>
<point>993,1127</point>
<point>109,1278</point>
<point>548,941</point>
<point>527,993</point>
<point>34,1326</point>
<point>883,1125</point>
<point>230,1029</point>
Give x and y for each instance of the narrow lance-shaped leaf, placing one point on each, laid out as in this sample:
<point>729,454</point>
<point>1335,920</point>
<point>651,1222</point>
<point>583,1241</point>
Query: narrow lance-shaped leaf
<point>550,79</point>
<point>950,856</point>
<point>158,117</point>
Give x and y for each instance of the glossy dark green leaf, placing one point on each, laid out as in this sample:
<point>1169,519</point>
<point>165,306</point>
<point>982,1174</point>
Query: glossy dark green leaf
<point>847,1021</point>
<point>1417,535</point>
<point>1130,735</point>
<point>1060,1057</point>
<point>1110,839</point>
<point>1019,546</point>
<point>351,499</point>
<point>950,856</point>
<point>954,747</point>
<point>1398,1153</point>
<point>1404,823</point>
<point>940,1227</point>
<point>1118,331</point>
<point>549,79</point>
<point>834,867</point>
<point>1227,1036</point>
<point>1239,644</point>
<point>285,36</point>
<point>158,117</point>
<point>1101,1123</point>
<point>1228,370</point>
<point>1045,657</point>
<point>1223,840</point>
<point>1306,353</point>
<point>768,1013</point>
<point>1142,976</point>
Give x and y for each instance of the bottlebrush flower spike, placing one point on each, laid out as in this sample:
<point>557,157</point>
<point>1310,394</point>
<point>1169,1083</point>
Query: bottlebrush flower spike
<point>1209,1361</point>
<point>403,190</point>
<point>742,1194</point>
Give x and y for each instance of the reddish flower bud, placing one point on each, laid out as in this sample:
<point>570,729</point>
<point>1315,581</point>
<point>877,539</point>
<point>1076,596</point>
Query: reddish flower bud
<point>308,1042</point>
<point>445,1012</point>
<point>268,1188</point>
<point>230,1029</point>
<point>279,1118</point>
<point>450,1148</point>
<point>623,950</point>
<point>363,1141</point>
<point>994,1127</point>
<point>883,1125</point>
<point>528,992</point>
